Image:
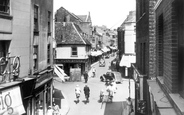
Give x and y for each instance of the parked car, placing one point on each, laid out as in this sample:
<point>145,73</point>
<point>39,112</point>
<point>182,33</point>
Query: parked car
<point>102,63</point>
<point>118,77</point>
<point>109,76</point>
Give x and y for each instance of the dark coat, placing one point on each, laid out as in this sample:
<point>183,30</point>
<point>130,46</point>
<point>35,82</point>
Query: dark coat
<point>85,75</point>
<point>86,90</point>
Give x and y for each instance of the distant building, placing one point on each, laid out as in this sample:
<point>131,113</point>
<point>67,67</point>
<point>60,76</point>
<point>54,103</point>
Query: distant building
<point>73,46</point>
<point>26,31</point>
<point>126,42</point>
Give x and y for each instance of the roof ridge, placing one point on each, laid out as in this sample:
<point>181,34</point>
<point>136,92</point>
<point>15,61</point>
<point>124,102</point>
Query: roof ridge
<point>78,33</point>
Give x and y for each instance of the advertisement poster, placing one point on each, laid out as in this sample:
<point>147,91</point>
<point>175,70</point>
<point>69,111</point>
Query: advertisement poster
<point>11,102</point>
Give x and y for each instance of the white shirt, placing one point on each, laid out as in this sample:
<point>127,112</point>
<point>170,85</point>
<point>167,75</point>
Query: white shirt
<point>77,90</point>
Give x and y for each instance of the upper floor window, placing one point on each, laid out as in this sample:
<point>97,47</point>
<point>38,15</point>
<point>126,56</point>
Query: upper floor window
<point>48,54</point>
<point>5,6</point>
<point>35,18</point>
<point>49,20</point>
<point>74,51</point>
<point>35,57</point>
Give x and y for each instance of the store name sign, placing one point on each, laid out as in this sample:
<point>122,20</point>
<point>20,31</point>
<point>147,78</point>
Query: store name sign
<point>11,102</point>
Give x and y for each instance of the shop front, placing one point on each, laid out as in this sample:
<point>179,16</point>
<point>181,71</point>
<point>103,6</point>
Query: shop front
<point>42,99</point>
<point>74,67</point>
<point>141,102</point>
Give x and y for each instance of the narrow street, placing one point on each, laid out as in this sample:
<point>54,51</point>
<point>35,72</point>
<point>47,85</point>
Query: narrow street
<point>94,107</point>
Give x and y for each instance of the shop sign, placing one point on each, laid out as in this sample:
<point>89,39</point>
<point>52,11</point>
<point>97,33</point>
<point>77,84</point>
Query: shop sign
<point>11,102</point>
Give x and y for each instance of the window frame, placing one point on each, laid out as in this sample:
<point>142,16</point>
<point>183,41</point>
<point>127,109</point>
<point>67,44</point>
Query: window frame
<point>48,54</point>
<point>73,51</point>
<point>35,59</point>
<point>36,18</point>
<point>49,13</point>
<point>6,10</point>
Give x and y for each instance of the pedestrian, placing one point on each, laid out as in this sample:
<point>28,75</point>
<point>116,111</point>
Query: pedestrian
<point>101,95</point>
<point>86,76</point>
<point>93,72</point>
<point>86,92</point>
<point>77,92</point>
<point>114,86</point>
<point>129,106</point>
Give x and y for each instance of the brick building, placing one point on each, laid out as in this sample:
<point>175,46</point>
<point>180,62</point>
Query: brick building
<point>159,31</point>
<point>145,54</point>
<point>169,50</point>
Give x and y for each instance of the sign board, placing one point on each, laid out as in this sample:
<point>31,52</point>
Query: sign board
<point>11,102</point>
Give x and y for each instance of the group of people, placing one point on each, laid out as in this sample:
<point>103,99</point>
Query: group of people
<point>111,89</point>
<point>86,92</point>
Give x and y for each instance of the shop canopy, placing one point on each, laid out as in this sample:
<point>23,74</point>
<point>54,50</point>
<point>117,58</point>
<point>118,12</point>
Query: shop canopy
<point>96,53</point>
<point>126,60</point>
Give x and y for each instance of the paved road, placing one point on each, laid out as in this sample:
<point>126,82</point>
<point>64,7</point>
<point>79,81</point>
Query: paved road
<point>94,107</point>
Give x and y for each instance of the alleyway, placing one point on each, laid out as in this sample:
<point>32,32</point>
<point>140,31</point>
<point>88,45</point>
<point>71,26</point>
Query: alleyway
<point>94,107</point>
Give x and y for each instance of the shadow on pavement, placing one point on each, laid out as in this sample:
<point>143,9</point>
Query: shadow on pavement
<point>85,102</point>
<point>76,102</point>
<point>116,108</point>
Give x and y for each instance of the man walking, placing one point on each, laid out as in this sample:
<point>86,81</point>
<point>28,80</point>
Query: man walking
<point>86,92</point>
<point>93,72</point>
<point>86,76</point>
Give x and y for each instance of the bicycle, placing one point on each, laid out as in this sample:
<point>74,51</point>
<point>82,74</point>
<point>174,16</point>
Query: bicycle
<point>11,68</point>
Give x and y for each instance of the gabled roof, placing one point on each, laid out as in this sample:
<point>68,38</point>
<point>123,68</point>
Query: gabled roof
<point>69,33</point>
<point>85,18</point>
<point>82,17</point>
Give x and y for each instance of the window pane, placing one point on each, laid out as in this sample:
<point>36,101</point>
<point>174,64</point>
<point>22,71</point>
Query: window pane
<point>74,51</point>
<point>4,6</point>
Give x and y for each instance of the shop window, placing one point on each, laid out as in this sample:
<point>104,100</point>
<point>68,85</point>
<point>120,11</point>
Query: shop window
<point>48,53</point>
<point>36,18</point>
<point>5,6</point>
<point>35,57</point>
<point>39,104</point>
<point>74,51</point>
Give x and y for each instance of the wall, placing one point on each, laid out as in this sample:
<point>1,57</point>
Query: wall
<point>169,9</point>
<point>142,36</point>
<point>43,39</point>
<point>20,43</point>
<point>63,53</point>
<point>130,38</point>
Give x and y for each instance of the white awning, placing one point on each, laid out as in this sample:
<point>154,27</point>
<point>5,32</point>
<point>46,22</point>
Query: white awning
<point>96,53</point>
<point>126,60</point>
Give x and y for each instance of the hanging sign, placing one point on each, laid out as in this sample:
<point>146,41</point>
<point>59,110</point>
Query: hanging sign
<point>11,102</point>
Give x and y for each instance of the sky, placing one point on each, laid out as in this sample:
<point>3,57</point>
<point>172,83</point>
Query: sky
<point>110,13</point>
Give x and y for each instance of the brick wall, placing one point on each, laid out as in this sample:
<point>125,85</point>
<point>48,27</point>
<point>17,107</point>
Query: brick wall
<point>152,40</point>
<point>142,37</point>
<point>168,8</point>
